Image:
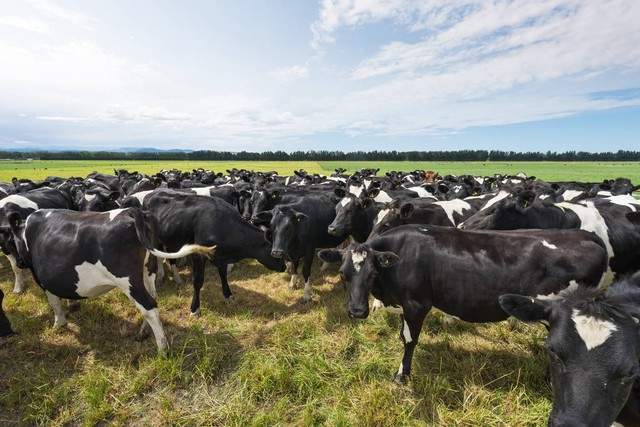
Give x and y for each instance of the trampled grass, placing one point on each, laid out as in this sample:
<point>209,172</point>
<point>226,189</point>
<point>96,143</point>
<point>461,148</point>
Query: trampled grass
<point>556,171</point>
<point>265,359</point>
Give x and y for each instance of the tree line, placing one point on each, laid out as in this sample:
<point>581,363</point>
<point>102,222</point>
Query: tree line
<point>457,155</point>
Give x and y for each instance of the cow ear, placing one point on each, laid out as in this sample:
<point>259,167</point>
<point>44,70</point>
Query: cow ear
<point>532,178</point>
<point>263,217</point>
<point>299,216</point>
<point>525,199</point>
<point>527,309</point>
<point>15,220</point>
<point>406,210</point>
<point>330,255</point>
<point>386,259</point>
<point>634,218</point>
<point>339,192</point>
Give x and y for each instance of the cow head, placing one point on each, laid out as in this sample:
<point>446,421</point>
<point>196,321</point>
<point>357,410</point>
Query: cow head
<point>348,210</point>
<point>593,348</point>
<point>97,200</point>
<point>15,244</point>
<point>392,215</point>
<point>361,266</point>
<point>284,227</point>
<point>263,200</point>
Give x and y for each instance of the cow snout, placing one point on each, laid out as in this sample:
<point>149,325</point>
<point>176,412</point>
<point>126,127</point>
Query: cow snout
<point>277,253</point>
<point>358,313</point>
<point>332,230</point>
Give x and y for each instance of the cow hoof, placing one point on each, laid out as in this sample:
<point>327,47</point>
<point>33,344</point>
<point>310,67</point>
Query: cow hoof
<point>59,325</point>
<point>230,299</point>
<point>18,290</point>
<point>306,300</point>
<point>401,379</point>
<point>195,313</point>
<point>142,335</point>
<point>8,334</point>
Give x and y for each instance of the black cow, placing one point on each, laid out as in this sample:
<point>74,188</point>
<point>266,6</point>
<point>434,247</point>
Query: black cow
<point>208,221</point>
<point>77,255</point>
<point>297,230</point>
<point>594,351</point>
<point>354,216</point>
<point>416,267</point>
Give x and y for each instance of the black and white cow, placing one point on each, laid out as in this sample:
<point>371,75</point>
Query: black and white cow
<point>594,352</point>
<point>297,230</point>
<point>416,267</point>
<point>24,204</point>
<point>606,217</point>
<point>77,255</point>
<point>354,216</point>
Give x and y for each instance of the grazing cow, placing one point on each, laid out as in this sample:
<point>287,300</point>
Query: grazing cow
<point>24,204</point>
<point>5,326</point>
<point>594,350</point>
<point>410,267</point>
<point>77,255</point>
<point>606,217</point>
<point>297,230</point>
<point>208,221</point>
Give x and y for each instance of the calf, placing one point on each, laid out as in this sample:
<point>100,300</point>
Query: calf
<point>411,267</point>
<point>77,255</point>
<point>594,350</point>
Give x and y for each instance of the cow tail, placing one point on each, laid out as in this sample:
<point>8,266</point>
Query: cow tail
<point>146,230</point>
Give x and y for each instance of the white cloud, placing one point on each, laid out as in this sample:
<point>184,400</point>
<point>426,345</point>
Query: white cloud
<point>290,73</point>
<point>28,24</point>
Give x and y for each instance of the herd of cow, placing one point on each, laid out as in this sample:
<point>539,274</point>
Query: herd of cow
<point>478,248</point>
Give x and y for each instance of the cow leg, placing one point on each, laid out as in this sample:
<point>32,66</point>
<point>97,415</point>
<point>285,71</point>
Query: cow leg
<point>409,333</point>
<point>197,264</point>
<point>229,268</point>
<point>58,312</point>
<point>151,266</point>
<point>292,268</point>
<point>176,273</point>
<point>306,274</point>
<point>159,270</point>
<point>138,294</point>
<point>226,291</point>
<point>20,274</point>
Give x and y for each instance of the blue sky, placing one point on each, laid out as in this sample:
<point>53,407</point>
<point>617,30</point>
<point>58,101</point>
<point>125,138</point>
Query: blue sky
<point>340,74</point>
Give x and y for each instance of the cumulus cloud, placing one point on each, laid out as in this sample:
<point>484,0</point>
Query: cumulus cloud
<point>290,73</point>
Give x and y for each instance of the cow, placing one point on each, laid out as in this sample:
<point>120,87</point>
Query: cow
<point>354,216</point>
<point>297,230</point>
<point>77,255</point>
<point>185,218</point>
<point>5,325</point>
<point>593,346</point>
<point>606,216</point>
<point>24,204</point>
<point>416,267</point>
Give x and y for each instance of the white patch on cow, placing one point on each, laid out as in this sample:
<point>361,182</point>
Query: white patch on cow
<point>400,368</point>
<point>521,175</point>
<point>367,183</point>
<point>24,233</point>
<point>383,197</point>
<point>604,193</point>
<point>422,192</point>
<point>20,283</point>
<point>356,190</point>
<point>573,286</point>
<point>591,220</point>
<point>501,195</point>
<point>48,214</point>
<point>543,196</point>
<point>89,197</point>
<point>337,179</point>
<point>451,206</point>
<point>479,179</point>
<point>548,245</point>
<point>140,195</point>
<point>58,312</point>
<point>21,201</point>
<point>96,279</point>
<point>625,200</point>
<point>376,304</point>
<point>569,195</point>
<point>203,191</point>
<point>358,257</point>
<point>383,213</point>
<point>345,201</point>
<point>286,181</point>
<point>516,181</point>
<point>308,292</point>
<point>408,178</point>
<point>617,424</point>
<point>406,333</point>
<point>114,213</point>
<point>592,330</point>
<point>457,188</point>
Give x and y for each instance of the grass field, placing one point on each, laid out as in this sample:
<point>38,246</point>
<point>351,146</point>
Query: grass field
<point>556,171</point>
<point>267,359</point>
